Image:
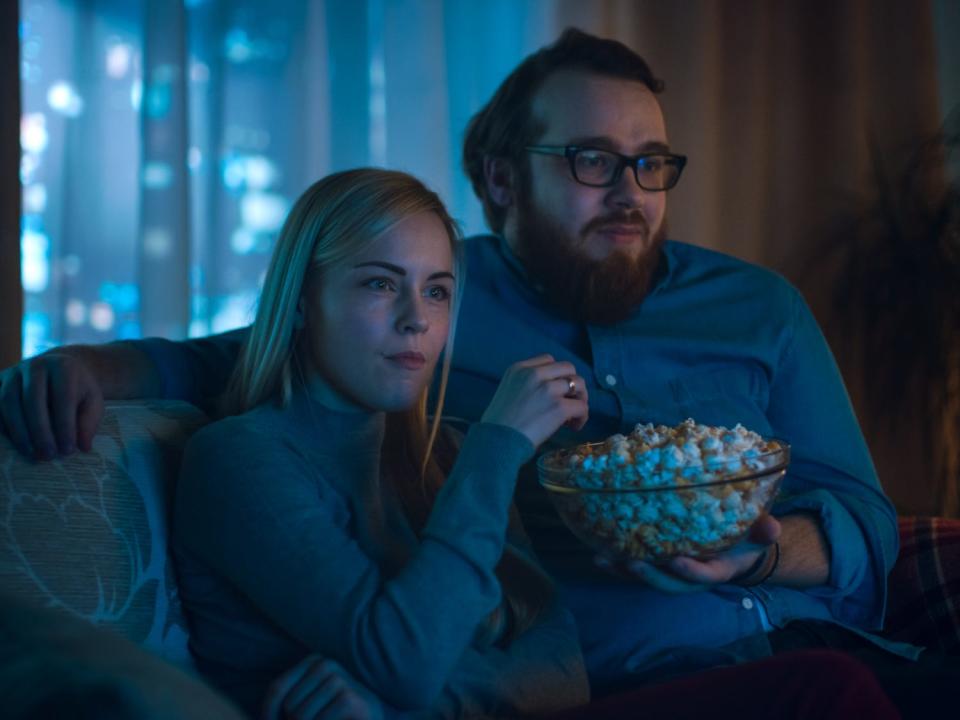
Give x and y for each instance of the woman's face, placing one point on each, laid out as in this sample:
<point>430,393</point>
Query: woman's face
<point>376,323</point>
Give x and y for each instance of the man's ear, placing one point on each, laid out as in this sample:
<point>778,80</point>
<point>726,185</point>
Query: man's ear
<point>500,179</point>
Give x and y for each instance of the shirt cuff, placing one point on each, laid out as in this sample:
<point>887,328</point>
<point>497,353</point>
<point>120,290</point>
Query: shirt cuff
<point>850,575</point>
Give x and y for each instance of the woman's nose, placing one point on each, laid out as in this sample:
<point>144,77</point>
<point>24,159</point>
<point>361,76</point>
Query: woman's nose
<point>412,316</point>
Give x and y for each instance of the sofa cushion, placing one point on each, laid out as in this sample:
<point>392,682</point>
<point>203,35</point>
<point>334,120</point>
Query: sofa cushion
<point>88,534</point>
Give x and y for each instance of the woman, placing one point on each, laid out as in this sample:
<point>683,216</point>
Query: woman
<point>328,515</point>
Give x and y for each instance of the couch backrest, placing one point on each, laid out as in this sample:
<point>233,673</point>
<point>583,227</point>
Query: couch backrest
<point>88,534</point>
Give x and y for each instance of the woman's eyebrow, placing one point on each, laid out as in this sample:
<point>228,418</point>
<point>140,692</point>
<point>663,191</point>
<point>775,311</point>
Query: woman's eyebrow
<point>396,269</point>
<point>380,264</point>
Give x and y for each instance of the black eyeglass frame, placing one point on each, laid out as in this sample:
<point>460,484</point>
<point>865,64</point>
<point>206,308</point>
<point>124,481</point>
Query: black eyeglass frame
<point>570,152</point>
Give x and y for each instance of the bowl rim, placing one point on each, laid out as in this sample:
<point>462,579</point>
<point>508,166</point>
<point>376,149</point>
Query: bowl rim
<point>779,467</point>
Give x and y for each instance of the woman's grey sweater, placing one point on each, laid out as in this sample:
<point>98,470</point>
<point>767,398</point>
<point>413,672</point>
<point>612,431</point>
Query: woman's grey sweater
<point>288,542</point>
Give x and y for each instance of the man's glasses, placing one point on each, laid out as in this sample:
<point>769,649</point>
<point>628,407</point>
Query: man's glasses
<point>654,171</point>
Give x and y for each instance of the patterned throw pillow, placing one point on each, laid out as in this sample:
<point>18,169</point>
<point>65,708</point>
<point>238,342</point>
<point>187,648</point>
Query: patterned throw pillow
<point>923,606</point>
<point>88,534</point>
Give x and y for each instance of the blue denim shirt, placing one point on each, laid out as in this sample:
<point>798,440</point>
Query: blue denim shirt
<point>723,342</point>
<point>718,340</point>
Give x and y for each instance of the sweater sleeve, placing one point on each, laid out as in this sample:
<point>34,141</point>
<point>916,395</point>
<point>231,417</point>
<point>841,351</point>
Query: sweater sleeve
<point>193,370</point>
<point>257,513</point>
<point>831,474</point>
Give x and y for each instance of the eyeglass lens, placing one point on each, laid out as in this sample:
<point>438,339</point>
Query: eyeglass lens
<point>598,167</point>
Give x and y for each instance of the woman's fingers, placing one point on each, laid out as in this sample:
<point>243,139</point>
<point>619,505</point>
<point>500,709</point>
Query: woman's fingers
<point>280,688</point>
<point>537,396</point>
<point>315,699</point>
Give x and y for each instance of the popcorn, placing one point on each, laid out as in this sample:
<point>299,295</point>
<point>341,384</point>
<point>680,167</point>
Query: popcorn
<point>687,499</point>
<point>687,454</point>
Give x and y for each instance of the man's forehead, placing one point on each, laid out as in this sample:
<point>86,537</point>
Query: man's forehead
<point>577,104</point>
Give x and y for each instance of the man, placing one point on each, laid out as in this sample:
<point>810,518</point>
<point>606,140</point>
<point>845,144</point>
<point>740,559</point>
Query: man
<point>572,162</point>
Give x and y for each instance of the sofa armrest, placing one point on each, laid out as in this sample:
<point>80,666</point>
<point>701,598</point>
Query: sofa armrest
<point>923,606</point>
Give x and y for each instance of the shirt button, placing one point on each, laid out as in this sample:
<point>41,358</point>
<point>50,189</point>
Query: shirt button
<point>747,604</point>
<point>611,380</point>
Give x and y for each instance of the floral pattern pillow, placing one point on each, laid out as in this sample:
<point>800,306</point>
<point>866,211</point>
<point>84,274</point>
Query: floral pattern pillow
<point>88,534</point>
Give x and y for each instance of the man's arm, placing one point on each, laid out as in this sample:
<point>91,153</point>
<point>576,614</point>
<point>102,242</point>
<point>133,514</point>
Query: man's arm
<point>53,403</point>
<point>804,556</point>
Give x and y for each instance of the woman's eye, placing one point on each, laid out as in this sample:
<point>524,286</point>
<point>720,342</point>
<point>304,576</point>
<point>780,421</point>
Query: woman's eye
<point>379,284</point>
<point>438,292</point>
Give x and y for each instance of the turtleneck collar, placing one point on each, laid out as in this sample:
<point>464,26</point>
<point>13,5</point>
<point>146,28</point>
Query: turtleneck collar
<point>333,433</point>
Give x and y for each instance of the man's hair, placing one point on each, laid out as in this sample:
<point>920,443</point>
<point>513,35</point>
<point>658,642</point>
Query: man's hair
<point>505,125</point>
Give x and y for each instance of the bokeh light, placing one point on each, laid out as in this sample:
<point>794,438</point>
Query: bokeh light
<point>63,98</point>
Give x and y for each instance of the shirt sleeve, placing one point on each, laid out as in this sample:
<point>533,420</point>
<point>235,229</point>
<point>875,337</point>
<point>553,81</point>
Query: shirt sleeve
<point>257,512</point>
<point>194,370</point>
<point>831,474</point>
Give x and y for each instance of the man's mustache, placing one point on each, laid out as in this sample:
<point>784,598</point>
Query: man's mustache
<point>620,220</point>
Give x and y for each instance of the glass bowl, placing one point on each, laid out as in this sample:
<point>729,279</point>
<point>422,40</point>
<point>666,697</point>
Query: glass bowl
<point>700,512</point>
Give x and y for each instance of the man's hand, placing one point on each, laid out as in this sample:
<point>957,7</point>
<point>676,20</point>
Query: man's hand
<point>50,404</point>
<point>686,574</point>
<point>318,688</point>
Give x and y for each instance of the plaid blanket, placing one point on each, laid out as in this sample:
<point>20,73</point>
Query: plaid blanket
<point>923,607</point>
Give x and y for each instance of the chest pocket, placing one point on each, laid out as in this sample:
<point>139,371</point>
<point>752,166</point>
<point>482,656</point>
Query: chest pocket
<point>725,396</point>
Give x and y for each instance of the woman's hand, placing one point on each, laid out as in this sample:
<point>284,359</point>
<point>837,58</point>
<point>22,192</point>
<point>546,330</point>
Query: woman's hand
<point>318,688</point>
<point>537,396</point>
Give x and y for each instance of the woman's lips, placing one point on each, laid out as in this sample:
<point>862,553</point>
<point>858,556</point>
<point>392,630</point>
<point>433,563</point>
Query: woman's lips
<point>408,360</point>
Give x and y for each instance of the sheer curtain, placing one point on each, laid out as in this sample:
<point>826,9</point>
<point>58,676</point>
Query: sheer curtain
<point>163,142</point>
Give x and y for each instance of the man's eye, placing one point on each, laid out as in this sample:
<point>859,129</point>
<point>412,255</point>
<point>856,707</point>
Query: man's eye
<point>651,164</point>
<point>593,160</point>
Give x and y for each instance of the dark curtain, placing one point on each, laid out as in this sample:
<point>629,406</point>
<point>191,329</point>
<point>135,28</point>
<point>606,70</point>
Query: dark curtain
<point>11,294</point>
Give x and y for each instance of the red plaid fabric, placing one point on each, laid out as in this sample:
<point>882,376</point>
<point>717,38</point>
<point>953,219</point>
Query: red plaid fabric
<point>924,588</point>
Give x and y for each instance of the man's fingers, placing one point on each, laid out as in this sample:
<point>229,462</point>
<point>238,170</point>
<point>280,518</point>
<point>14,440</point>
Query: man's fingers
<point>701,572</point>
<point>661,580</point>
<point>89,415</point>
<point>646,573</point>
<point>63,403</point>
<point>36,413</point>
<point>11,408</point>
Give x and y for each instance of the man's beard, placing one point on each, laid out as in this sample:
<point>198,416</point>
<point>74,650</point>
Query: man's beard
<point>599,292</point>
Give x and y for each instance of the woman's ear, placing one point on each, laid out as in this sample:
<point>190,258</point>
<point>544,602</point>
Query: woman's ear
<point>500,178</point>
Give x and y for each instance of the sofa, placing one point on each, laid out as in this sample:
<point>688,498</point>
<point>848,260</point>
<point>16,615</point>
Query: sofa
<point>84,543</point>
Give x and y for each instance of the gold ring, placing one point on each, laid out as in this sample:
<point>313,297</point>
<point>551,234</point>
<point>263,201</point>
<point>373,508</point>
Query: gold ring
<point>571,387</point>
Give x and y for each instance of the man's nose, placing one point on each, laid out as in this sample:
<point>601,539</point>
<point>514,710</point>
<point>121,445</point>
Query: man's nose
<point>626,192</point>
<point>412,315</point>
